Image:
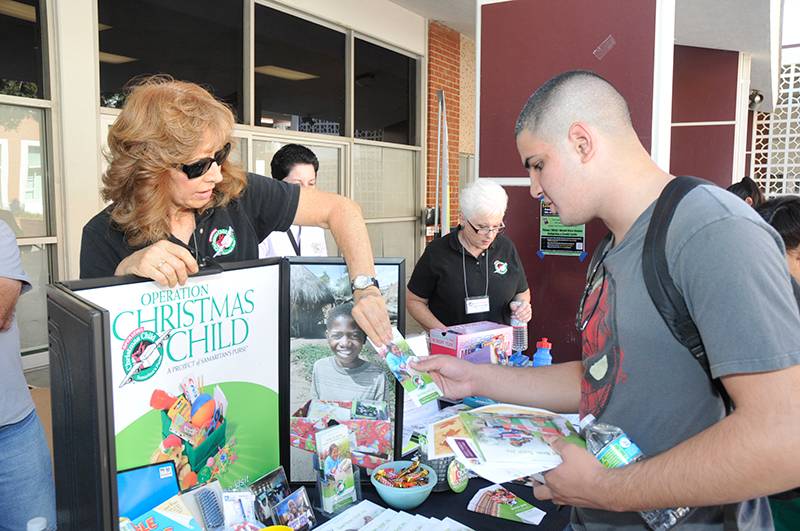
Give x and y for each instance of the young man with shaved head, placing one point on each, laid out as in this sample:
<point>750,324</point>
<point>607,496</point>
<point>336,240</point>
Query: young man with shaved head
<point>575,138</point>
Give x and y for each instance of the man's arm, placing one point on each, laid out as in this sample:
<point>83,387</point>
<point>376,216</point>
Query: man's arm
<point>750,453</point>
<point>556,387</point>
<point>10,290</point>
<point>343,217</point>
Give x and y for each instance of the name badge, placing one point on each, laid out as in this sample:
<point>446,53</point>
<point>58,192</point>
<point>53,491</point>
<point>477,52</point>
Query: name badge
<point>476,305</point>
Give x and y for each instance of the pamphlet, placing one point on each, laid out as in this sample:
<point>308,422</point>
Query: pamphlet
<point>336,468</point>
<point>357,517</point>
<point>398,355</point>
<point>499,502</point>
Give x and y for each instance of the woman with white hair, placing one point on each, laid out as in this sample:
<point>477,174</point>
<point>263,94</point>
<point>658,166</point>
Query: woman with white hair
<point>474,273</point>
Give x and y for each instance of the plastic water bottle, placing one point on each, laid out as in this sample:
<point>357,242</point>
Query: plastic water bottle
<point>542,356</point>
<point>613,449</point>
<point>37,524</point>
<point>519,342</point>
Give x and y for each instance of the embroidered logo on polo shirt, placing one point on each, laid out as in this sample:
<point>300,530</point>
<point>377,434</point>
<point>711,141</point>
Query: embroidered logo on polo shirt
<point>500,267</point>
<point>223,241</point>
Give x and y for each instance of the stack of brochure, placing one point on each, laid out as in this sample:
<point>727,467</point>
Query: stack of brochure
<point>368,516</point>
<point>501,442</point>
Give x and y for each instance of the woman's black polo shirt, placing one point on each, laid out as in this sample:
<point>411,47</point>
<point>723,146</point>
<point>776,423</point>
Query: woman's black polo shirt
<point>439,278</point>
<point>228,234</point>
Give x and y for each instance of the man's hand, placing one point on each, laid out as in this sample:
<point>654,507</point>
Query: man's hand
<point>165,262</point>
<point>456,378</point>
<point>370,313</point>
<point>577,481</point>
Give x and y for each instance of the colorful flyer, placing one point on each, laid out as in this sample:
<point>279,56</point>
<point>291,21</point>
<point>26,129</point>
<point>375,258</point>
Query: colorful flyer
<point>194,374</point>
<point>419,386</point>
<point>295,511</point>
<point>172,514</point>
<point>555,238</point>
<point>500,502</point>
<point>336,468</point>
<point>270,490</point>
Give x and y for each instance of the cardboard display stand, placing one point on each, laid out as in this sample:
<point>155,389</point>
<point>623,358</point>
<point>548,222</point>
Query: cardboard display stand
<point>123,349</point>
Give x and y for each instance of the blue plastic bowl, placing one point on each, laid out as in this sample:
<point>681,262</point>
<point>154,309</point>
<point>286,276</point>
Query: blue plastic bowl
<point>404,499</point>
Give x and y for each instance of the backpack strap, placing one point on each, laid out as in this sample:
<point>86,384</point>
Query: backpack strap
<point>666,297</point>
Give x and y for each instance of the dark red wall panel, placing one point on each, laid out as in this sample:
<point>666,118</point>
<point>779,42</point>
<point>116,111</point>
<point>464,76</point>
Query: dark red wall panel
<point>523,44</point>
<point>556,282</point>
<point>704,85</point>
<point>703,151</point>
<point>526,42</point>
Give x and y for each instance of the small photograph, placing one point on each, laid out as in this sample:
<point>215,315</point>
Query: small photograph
<point>295,511</point>
<point>270,490</point>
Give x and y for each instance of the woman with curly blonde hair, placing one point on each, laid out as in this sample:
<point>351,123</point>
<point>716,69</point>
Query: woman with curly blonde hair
<point>178,201</point>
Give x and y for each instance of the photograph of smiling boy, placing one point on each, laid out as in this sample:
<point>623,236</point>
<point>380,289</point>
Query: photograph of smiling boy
<point>344,375</point>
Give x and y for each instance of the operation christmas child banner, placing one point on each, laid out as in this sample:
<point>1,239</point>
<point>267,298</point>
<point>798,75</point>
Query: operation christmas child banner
<point>195,374</point>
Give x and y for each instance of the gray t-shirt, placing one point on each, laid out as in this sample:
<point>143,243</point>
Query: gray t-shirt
<point>727,263</point>
<point>329,381</point>
<point>15,399</point>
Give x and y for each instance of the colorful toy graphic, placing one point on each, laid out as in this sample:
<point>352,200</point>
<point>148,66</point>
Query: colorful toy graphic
<point>193,428</point>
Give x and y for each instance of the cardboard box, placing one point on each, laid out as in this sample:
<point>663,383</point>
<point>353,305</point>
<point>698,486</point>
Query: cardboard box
<point>373,438</point>
<point>481,342</point>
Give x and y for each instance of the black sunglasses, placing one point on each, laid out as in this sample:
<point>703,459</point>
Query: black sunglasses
<point>580,321</point>
<point>196,169</point>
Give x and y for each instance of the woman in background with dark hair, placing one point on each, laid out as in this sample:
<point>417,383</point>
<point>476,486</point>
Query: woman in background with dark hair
<point>783,213</point>
<point>748,190</point>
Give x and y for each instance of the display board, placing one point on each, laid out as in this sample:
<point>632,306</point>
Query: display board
<point>194,374</point>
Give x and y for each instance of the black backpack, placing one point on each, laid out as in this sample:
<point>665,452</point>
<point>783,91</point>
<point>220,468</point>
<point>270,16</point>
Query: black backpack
<point>665,296</point>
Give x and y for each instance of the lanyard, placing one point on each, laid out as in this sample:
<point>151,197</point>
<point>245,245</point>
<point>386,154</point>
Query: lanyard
<point>464,269</point>
<point>295,243</point>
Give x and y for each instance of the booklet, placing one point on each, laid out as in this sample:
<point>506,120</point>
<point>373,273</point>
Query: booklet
<point>398,355</point>
<point>500,502</point>
<point>515,438</point>
<point>336,468</point>
<point>359,516</point>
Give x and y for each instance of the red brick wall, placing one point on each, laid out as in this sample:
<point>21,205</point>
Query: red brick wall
<point>444,70</point>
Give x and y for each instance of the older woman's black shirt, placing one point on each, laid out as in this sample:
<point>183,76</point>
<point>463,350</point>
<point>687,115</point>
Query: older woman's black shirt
<point>265,205</point>
<point>439,278</point>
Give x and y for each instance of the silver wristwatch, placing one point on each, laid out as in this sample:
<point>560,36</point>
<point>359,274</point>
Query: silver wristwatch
<point>363,282</point>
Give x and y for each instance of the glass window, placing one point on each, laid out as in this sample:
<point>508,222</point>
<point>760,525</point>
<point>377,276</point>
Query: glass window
<point>22,170</point>
<point>299,74</point>
<point>32,306</point>
<point>191,40</point>
<point>384,181</point>
<point>396,239</point>
<point>385,94</point>
<point>21,72</point>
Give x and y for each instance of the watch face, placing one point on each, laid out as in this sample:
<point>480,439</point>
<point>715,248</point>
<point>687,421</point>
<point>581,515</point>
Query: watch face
<point>363,281</point>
